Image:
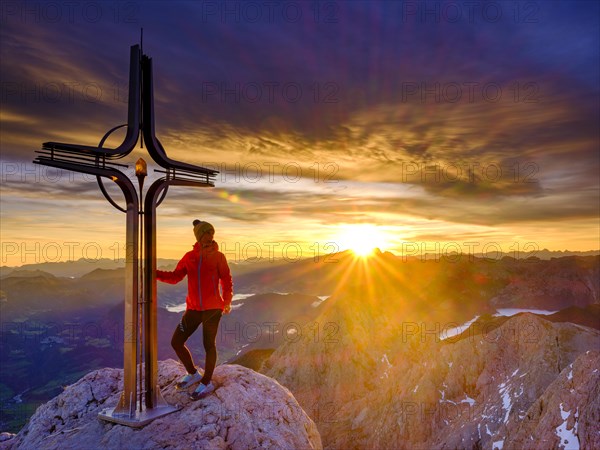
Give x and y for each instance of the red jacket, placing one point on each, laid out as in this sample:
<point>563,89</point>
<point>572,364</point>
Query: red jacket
<point>208,265</point>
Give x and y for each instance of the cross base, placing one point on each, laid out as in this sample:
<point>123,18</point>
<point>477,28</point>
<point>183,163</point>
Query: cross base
<point>140,418</point>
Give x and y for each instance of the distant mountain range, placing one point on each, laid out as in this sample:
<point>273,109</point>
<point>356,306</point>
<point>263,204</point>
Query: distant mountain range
<point>74,269</point>
<point>541,254</point>
<point>83,266</point>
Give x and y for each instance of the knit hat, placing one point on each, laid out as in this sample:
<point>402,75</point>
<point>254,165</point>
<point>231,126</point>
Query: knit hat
<point>201,227</point>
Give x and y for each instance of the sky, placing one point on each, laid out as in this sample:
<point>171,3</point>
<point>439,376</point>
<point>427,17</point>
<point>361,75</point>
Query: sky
<point>416,126</point>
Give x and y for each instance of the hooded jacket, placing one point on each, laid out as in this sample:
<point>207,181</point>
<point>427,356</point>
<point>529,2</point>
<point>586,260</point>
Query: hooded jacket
<point>206,269</point>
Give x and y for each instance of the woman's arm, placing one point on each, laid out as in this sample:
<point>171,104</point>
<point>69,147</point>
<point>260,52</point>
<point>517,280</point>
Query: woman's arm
<point>226,281</point>
<point>173,277</point>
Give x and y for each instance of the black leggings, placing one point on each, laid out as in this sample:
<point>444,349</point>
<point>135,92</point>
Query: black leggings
<point>190,321</point>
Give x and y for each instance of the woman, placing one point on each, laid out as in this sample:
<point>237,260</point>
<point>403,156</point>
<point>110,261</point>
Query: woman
<point>206,268</point>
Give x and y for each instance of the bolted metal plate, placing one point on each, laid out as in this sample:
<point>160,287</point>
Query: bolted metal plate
<point>140,419</point>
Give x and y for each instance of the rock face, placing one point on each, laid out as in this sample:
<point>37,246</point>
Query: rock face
<point>567,414</point>
<point>379,382</point>
<point>247,410</point>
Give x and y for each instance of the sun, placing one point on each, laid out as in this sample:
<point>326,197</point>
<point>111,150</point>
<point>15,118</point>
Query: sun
<point>361,239</point>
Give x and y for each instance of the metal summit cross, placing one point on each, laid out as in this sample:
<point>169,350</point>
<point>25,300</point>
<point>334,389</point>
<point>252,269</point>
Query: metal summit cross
<point>140,324</point>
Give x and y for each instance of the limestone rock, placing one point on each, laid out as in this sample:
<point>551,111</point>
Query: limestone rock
<point>567,414</point>
<point>247,410</point>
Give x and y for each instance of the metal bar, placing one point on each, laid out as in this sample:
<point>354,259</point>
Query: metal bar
<point>68,158</point>
<point>212,173</point>
<point>83,149</point>
<point>141,297</point>
<point>74,148</point>
<point>204,178</point>
<point>189,168</point>
<point>79,152</point>
<point>107,196</point>
<point>127,402</point>
<point>152,394</point>
<point>198,182</point>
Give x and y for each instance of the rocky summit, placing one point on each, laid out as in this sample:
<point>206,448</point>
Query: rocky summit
<point>247,410</point>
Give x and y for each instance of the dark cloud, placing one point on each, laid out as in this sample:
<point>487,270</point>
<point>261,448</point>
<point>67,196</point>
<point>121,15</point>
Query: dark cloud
<point>385,94</point>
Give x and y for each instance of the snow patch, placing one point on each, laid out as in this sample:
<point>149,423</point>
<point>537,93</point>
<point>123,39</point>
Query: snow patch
<point>361,416</point>
<point>570,374</point>
<point>241,349</point>
<point>468,400</point>
<point>497,445</point>
<point>238,297</point>
<point>504,392</point>
<point>180,307</point>
<point>384,359</point>
<point>513,311</point>
<point>176,308</point>
<point>568,438</point>
<point>443,399</point>
<point>518,394</point>
<point>321,298</point>
<point>451,332</point>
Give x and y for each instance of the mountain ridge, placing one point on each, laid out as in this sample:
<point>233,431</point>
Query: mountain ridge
<point>402,389</point>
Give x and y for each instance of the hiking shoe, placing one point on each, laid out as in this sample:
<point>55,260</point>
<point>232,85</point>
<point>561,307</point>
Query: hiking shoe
<point>202,391</point>
<point>187,380</point>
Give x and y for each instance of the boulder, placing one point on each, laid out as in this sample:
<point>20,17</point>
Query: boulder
<point>246,410</point>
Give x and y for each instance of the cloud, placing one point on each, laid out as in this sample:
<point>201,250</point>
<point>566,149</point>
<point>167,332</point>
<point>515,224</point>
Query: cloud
<point>485,123</point>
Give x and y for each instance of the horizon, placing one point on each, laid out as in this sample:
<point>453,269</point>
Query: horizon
<point>362,126</point>
<point>430,257</point>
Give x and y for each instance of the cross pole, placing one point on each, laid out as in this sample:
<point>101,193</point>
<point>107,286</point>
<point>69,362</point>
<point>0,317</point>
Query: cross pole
<point>140,324</point>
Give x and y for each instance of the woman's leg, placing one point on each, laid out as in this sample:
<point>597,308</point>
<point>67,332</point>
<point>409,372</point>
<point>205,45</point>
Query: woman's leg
<point>188,324</point>
<point>210,326</point>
